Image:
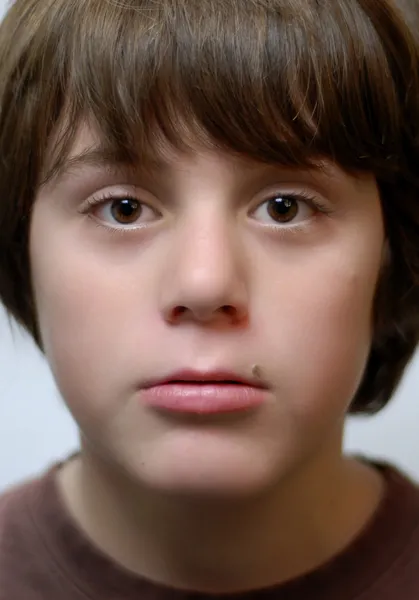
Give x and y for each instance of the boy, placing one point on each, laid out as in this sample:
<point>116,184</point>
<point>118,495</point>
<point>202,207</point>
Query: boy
<point>258,283</point>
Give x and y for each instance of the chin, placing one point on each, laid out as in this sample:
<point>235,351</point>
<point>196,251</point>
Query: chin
<point>211,470</point>
<point>205,483</point>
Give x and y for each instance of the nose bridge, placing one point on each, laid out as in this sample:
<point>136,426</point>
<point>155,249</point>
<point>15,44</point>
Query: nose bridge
<point>205,266</point>
<point>208,253</point>
<point>207,235</point>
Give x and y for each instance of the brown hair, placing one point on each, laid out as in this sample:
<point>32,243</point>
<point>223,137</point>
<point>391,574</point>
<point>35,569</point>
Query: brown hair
<point>281,81</point>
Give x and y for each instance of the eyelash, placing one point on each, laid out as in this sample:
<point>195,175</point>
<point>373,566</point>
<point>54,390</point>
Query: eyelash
<point>285,229</point>
<point>310,200</point>
<point>104,199</point>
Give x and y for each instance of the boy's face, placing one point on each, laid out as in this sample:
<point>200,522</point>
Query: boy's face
<point>147,297</point>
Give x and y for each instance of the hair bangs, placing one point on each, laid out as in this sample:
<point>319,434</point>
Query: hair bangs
<point>282,82</point>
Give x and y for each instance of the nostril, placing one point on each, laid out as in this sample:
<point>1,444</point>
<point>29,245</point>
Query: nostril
<point>178,311</point>
<point>206,314</point>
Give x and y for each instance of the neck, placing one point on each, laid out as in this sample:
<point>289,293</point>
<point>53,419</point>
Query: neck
<point>223,546</point>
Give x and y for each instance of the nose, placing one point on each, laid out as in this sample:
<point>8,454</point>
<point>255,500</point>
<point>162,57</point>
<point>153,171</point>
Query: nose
<point>205,275</point>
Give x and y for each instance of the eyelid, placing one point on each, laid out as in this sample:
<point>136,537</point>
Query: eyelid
<point>121,192</point>
<point>106,197</point>
<point>310,197</point>
<point>289,188</point>
<point>302,194</point>
<point>312,201</point>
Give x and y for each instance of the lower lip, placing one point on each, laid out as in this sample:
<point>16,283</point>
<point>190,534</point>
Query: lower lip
<point>211,398</point>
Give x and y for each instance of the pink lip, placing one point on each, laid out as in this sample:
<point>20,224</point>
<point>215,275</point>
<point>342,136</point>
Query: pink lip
<point>204,393</point>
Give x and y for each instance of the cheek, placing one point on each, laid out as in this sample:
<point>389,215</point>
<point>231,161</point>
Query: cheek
<point>323,333</point>
<point>88,311</point>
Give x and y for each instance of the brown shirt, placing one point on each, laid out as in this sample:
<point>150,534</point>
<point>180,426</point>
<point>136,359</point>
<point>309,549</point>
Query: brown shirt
<point>44,556</point>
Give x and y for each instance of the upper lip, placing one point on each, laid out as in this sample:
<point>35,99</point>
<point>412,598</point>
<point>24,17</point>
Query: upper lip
<point>220,375</point>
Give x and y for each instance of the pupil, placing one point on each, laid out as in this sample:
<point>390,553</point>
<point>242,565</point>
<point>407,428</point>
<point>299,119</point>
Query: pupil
<point>283,209</point>
<point>125,210</point>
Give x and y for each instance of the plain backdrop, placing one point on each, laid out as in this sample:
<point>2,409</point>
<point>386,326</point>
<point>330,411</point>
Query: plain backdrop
<point>36,429</point>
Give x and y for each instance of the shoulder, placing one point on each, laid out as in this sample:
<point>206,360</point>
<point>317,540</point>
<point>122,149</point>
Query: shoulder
<point>24,561</point>
<point>16,518</point>
<point>400,485</point>
<point>14,512</point>
<point>393,538</point>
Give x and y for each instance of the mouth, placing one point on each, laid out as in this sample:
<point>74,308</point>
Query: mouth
<point>196,392</point>
<point>221,377</point>
<point>201,382</point>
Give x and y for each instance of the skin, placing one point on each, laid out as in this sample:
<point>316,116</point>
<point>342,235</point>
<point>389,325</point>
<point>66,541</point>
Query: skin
<point>117,308</point>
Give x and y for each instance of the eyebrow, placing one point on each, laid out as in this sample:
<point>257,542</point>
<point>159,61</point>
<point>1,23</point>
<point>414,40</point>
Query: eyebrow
<point>109,159</point>
<point>98,157</point>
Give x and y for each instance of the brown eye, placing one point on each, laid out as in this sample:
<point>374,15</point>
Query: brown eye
<point>126,210</point>
<point>283,209</point>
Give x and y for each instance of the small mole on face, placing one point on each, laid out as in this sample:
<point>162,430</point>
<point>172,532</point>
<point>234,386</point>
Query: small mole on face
<point>256,372</point>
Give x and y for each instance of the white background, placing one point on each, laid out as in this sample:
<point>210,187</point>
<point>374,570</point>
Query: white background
<point>35,428</point>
